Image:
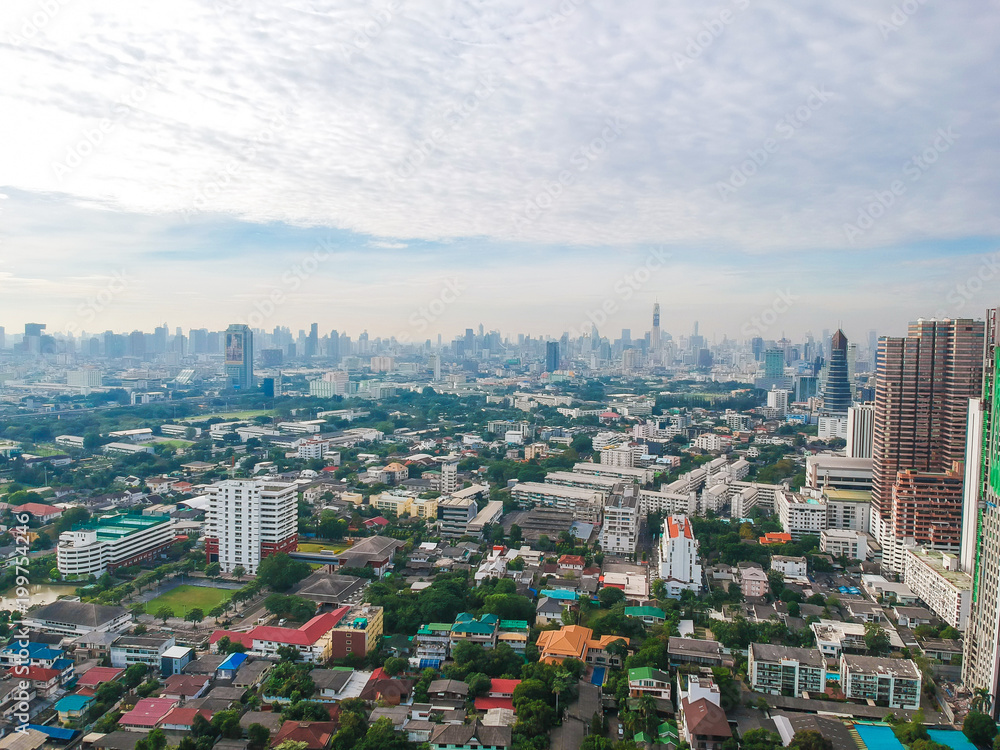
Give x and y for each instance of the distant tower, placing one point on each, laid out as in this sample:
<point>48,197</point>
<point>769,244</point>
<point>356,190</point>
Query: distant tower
<point>551,356</point>
<point>654,335</point>
<point>239,357</point>
<point>837,390</point>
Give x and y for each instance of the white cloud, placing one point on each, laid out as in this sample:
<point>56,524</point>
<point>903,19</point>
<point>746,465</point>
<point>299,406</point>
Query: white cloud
<point>311,114</point>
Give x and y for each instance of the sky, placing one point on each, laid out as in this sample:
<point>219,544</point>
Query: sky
<point>414,168</point>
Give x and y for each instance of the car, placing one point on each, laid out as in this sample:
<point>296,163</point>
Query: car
<point>621,730</point>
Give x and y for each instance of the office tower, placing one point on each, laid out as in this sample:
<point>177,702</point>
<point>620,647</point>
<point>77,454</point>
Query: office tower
<point>267,386</point>
<point>923,385</point>
<point>626,336</point>
<point>32,341</point>
<point>757,347</point>
<point>777,398</point>
<point>312,341</point>
<point>774,363</point>
<point>551,356</point>
<point>137,344</point>
<point>248,520</point>
<point>654,335</point>
<point>837,388</point>
<point>160,339</point>
<point>333,346</point>
<point>239,357</point>
<point>981,526</point>
<point>435,364</point>
<point>860,430</point>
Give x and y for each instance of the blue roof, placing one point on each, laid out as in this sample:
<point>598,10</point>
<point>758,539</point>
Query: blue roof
<point>56,733</point>
<point>74,702</point>
<point>62,663</point>
<point>233,662</point>
<point>561,594</point>
<point>35,650</point>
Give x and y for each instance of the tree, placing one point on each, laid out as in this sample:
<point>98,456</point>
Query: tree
<point>195,615</point>
<point>981,701</point>
<point>394,665</point>
<point>610,596</point>
<point>134,675</point>
<point>238,572</point>
<point>761,739</point>
<point>288,653</point>
<point>479,684</point>
<point>258,737</point>
<point>809,739</point>
<point>979,728</point>
<point>876,639</point>
<point>212,570</point>
<point>155,740</point>
<point>280,572</point>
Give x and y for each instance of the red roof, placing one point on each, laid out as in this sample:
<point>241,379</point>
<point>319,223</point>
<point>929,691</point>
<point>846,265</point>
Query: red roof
<point>185,685</point>
<point>98,675</point>
<point>330,468</point>
<point>572,560</point>
<point>148,712</point>
<point>185,716</point>
<point>306,635</point>
<point>37,509</point>
<point>675,529</point>
<point>610,415</point>
<point>316,734</point>
<point>484,704</point>
<point>377,521</point>
<point>706,719</point>
<point>504,687</point>
<point>774,537</point>
<point>40,674</point>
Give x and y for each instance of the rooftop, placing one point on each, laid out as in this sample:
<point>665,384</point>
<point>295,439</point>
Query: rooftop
<point>881,665</point>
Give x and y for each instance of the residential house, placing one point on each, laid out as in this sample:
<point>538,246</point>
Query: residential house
<point>74,707</point>
<point>577,642</point>
<point>147,714</point>
<point>648,681</point>
<point>474,736</point>
<point>701,720</point>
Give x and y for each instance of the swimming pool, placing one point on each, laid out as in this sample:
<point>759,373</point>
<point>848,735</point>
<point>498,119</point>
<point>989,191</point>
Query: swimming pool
<point>878,737</point>
<point>835,676</point>
<point>597,678</point>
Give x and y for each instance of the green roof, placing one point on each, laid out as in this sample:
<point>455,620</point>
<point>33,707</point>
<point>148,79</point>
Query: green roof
<point>647,673</point>
<point>434,626</point>
<point>479,628</point>
<point>645,612</point>
<point>119,525</point>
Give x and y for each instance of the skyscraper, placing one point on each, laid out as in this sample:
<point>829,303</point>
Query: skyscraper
<point>551,356</point>
<point>981,526</point>
<point>239,357</point>
<point>837,389</point>
<point>923,386</point>
<point>860,431</point>
<point>312,341</point>
<point>654,335</point>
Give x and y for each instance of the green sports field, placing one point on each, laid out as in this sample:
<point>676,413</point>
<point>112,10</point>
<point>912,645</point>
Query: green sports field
<point>185,598</point>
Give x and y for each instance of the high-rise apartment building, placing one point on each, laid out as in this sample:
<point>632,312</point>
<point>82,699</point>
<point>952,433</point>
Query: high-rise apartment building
<point>837,388</point>
<point>239,357</point>
<point>860,430</point>
<point>923,385</point>
<point>981,526</point>
<point>248,520</point>
<point>678,551</point>
<point>654,334</point>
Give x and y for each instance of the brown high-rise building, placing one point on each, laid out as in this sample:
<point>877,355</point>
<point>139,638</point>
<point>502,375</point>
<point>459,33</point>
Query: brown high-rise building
<point>923,386</point>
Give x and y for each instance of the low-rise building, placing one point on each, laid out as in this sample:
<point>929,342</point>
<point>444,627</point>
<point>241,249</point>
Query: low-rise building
<point>77,618</point>
<point>141,649</point>
<point>701,721</point>
<point>782,670</point>
<point>888,682</point>
<point>849,543</point>
<point>113,541</point>
<point>753,582</point>
<point>792,567</point>
<point>694,651</point>
<point>649,681</point>
<point>621,524</point>
<point>577,642</point>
